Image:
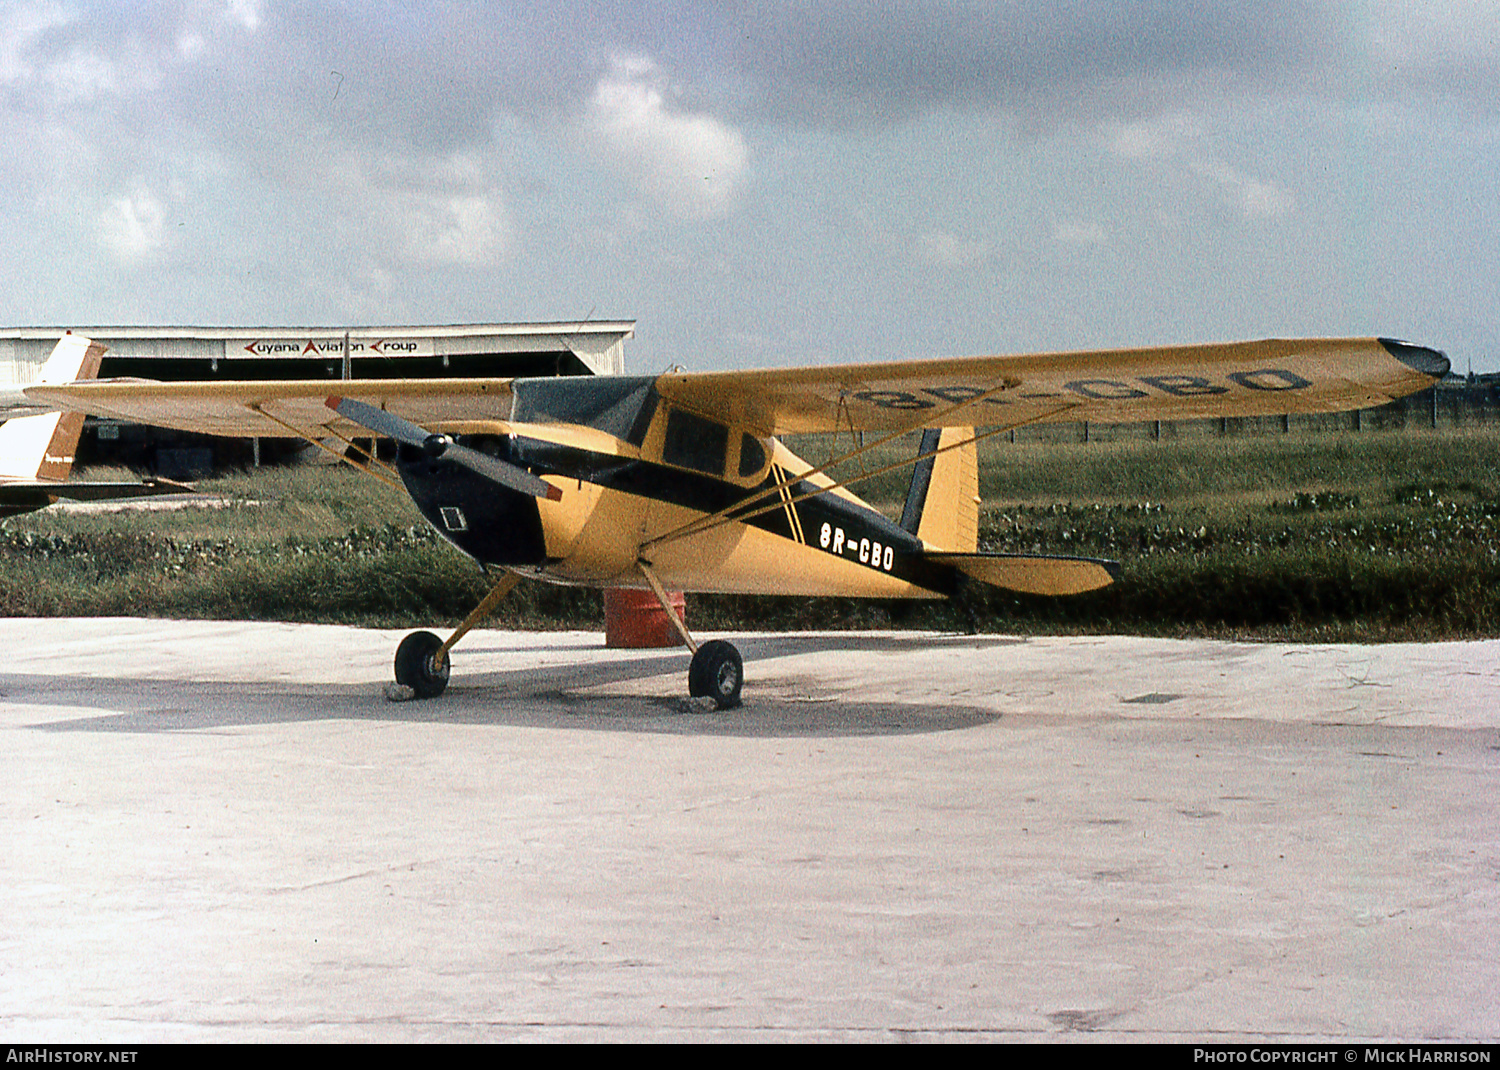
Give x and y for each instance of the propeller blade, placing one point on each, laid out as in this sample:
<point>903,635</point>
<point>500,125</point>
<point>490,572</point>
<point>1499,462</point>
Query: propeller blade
<point>385,424</point>
<point>502,472</point>
<point>390,425</point>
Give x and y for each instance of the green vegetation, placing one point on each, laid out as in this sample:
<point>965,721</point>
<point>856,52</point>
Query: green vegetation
<point>312,543</point>
<point>1375,535</point>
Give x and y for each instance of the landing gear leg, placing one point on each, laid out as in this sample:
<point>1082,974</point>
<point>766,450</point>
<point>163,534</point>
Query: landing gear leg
<point>717,671</point>
<point>422,658</point>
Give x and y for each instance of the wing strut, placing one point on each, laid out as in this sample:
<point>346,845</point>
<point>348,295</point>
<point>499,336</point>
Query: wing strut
<point>731,514</point>
<point>373,468</point>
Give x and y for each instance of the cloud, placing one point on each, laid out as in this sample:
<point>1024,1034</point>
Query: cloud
<point>71,56</point>
<point>459,228</point>
<point>21,27</point>
<point>435,75</point>
<point>1176,144</point>
<point>1156,139</point>
<point>40,58</point>
<point>689,162</point>
<point>823,62</point>
<point>402,209</point>
<point>1413,33</point>
<point>1076,232</point>
<point>842,60</point>
<point>258,155</point>
<point>1255,198</point>
<point>943,249</point>
<point>244,12</point>
<point>132,227</point>
<point>1449,52</point>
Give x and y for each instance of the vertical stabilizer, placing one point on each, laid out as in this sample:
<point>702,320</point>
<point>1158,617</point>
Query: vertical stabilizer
<point>43,446</point>
<point>942,506</point>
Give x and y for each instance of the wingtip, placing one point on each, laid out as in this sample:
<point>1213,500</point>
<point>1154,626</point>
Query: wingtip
<point>1421,359</point>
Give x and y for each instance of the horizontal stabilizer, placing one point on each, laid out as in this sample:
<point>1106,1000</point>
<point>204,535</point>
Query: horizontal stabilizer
<point>29,495</point>
<point>83,491</point>
<point>1033,573</point>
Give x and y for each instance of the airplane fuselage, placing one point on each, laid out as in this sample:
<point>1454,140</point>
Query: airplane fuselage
<point>782,538</point>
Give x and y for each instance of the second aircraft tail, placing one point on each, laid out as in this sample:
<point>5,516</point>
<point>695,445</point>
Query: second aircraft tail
<point>42,447</point>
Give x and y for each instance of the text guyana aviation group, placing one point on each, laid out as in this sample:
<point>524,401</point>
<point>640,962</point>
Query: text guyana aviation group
<point>336,347</point>
<point>1338,1055</point>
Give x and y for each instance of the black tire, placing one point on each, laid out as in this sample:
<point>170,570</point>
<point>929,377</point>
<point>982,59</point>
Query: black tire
<point>415,668</point>
<point>717,672</point>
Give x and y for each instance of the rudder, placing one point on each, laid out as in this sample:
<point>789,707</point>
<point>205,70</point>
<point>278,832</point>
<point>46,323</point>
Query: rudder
<point>942,506</point>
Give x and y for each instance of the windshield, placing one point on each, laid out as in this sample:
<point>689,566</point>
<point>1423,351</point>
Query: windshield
<point>619,405</point>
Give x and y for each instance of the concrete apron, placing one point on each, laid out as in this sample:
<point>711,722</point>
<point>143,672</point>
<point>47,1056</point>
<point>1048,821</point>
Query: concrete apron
<point>223,831</point>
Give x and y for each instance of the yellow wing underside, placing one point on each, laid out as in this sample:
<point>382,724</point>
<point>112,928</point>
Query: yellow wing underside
<point>282,408</point>
<point>1117,386</point>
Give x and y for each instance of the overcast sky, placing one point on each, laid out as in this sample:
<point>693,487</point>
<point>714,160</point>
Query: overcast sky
<point>762,183</point>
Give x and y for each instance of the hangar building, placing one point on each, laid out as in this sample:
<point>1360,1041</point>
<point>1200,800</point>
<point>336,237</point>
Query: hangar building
<point>238,353</point>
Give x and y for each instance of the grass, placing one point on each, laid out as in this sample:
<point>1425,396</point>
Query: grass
<point>1358,536</point>
<point>310,544</point>
<point>1201,470</point>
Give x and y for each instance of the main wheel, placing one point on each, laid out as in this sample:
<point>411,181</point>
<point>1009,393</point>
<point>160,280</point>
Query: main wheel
<point>717,673</point>
<point>415,666</point>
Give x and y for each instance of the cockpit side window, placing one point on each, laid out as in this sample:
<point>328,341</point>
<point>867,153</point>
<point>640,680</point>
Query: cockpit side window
<point>752,456</point>
<point>695,442</point>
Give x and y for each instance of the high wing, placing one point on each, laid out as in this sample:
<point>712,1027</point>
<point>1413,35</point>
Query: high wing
<point>1114,386</point>
<point>280,408</point>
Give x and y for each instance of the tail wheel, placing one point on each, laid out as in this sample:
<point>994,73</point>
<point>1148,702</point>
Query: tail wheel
<point>717,673</point>
<point>416,665</point>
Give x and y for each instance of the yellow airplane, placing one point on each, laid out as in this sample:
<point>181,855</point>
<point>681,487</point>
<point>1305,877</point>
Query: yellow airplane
<point>37,445</point>
<point>679,481</point>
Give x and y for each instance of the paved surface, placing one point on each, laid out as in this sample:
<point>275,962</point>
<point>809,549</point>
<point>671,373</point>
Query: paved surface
<point>223,831</point>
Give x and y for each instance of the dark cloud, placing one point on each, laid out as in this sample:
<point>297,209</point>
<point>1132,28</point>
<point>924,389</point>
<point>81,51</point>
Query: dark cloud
<point>434,75</point>
<point>842,60</point>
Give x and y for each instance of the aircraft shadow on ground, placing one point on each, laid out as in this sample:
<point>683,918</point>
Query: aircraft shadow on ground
<point>565,696</point>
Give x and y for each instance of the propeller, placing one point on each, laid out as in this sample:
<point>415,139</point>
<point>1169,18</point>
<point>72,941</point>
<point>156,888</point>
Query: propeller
<point>434,446</point>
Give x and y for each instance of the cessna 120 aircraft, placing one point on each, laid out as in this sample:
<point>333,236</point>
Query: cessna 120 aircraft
<point>678,481</point>
<point>37,445</point>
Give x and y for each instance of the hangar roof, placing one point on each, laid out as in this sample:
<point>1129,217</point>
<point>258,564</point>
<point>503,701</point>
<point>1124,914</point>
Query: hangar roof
<point>279,352</point>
